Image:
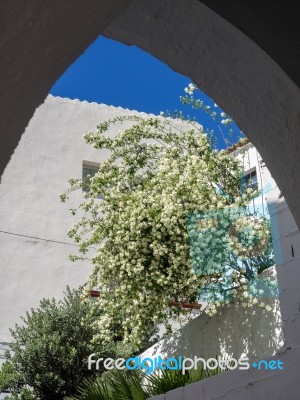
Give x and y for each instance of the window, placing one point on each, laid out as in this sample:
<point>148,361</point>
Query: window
<point>89,169</point>
<point>249,180</point>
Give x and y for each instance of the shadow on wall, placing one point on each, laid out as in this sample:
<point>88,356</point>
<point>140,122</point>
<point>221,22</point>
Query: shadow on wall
<point>233,330</point>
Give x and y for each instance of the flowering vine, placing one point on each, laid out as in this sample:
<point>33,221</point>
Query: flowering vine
<point>158,174</point>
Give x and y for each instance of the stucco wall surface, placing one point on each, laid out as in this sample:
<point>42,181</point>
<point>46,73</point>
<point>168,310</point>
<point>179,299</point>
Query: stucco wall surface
<point>247,385</point>
<point>34,247</point>
<point>38,42</point>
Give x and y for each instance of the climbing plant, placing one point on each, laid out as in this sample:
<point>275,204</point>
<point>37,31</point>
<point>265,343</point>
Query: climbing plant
<point>156,212</point>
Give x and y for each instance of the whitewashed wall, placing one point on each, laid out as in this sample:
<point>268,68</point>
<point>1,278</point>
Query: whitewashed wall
<point>34,247</point>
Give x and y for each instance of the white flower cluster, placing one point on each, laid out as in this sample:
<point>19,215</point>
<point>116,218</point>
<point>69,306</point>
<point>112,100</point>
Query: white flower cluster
<point>223,122</point>
<point>226,121</point>
<point>190,89</point>
<point>159,175</point>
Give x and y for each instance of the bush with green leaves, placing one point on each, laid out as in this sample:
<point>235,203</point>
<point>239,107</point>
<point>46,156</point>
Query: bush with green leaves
<point>50,350</point>
<point>136,385</point>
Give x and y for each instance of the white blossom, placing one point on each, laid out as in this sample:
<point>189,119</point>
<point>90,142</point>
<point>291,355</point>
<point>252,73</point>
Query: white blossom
<point>144,226</point>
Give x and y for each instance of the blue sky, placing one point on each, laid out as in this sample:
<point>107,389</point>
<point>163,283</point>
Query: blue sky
<point>115,74</point>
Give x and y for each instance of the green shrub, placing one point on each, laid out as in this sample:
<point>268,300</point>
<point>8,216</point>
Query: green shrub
<point>50,350</point>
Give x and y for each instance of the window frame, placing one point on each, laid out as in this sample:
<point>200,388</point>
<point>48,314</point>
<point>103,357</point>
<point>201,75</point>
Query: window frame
<point>246,178</point>
<point>92,166</point>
